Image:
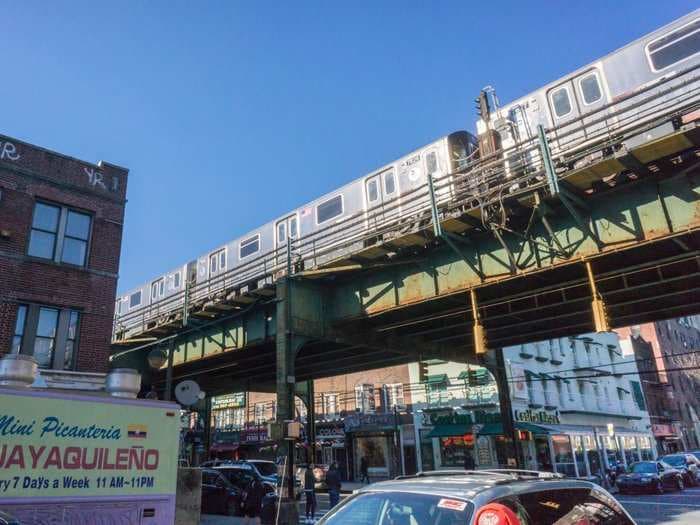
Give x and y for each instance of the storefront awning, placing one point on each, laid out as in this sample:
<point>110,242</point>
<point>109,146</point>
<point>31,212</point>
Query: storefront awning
<point>449,430</point>
<point>224,447</point>
<point>496,429</point>
<point>436,378</point>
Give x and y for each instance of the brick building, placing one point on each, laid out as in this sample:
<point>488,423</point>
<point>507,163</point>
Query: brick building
<point>669,363</point>
<point>60,236</point>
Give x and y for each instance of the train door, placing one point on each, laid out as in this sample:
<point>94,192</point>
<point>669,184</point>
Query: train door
<point>441,182</point>
<point>381,196</point>
<point>217,267</point>
<point>573,106</point>
<point>287,228</point>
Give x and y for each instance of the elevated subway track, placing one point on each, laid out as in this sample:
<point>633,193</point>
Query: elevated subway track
<point>629,207</point>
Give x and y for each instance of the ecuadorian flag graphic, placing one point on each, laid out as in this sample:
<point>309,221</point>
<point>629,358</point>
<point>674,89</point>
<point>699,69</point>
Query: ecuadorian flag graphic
<point>137,431</point>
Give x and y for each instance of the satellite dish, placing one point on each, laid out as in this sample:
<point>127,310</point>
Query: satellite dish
<point>187,393</point>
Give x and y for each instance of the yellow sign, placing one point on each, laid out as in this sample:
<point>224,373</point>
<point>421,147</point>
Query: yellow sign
<point>70,445</point>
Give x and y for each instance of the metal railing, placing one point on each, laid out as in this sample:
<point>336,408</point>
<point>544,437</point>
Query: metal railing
<point>476,183</point>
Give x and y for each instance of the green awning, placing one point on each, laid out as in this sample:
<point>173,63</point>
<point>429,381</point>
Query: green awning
<point>436,378</point>
<point>496,429</point>
<point>449,430</point>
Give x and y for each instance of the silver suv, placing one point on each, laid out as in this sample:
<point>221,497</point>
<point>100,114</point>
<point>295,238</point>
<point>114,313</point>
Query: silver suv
<point>483,497</point>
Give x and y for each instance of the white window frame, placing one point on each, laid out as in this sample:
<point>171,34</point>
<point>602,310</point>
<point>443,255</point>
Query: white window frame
<point>383,175</point>
<point>592,73</point>
<point>342,209</point>
<point>140,292</point>
<point>551,101</point>
<point>648,54</point>
<point>158,286</point>
<point>219,267</point>
<point>178,277</point>
<point>246,242</point>
<point>373,179</point>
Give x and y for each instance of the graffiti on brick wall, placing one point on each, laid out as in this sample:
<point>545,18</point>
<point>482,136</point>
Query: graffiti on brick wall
<point>8,151</point>
<point>96,179</point>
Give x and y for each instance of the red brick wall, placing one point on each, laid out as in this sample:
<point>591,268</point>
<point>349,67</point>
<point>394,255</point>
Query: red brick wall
<point>28,173</point>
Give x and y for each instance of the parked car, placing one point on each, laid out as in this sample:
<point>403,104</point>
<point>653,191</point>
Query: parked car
<point>695,453</point>
<point>515,497</point>
<point>687,464</point>
<point>219,495</point>
<point>241,473</point>
<point>650,476</point>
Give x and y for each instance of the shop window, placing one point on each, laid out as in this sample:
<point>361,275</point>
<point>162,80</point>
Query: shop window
<point>330,405</point>
<point>364,398</point>
<point>563,455</point>
<point>455,449</point>
<point>392,396</point>
<point>259,413</point>
<point>48,334</point>
<point>59,233</point>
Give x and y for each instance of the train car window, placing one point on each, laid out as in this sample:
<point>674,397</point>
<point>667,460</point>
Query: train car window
<point>222,260</point>
<point>389,182</point>
<point>135,299</point>
<point>176,280</point>
<point>281,232</point>
<point>213,263</point>
<point>431,162</point>
<point>157,289</point>
<point>330,209</point>
<point>249,246</point>
<point>372,190</point>
<point>590,89</point>
<point>293,227</point>
<point>561,102</point>
<point>674,47</point>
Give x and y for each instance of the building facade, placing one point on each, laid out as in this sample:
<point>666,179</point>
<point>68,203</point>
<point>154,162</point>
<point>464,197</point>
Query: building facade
<point>668,356</point>
<point>60,236</point>
<point>583,401</point>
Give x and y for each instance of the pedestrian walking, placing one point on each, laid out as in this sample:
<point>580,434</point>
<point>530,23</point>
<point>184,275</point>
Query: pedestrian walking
<point>310,493</point>
<point>252,501</point>
<point>364,469</point>
<point>333,484</point>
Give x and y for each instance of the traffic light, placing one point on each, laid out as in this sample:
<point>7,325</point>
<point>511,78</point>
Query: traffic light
<point>482,105</point>
<point>422,371</point>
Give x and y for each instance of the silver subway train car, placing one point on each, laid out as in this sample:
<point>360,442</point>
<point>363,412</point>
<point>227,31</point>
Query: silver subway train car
<point>352,210</point>
<point>619,95</point>
<point>597,98</point>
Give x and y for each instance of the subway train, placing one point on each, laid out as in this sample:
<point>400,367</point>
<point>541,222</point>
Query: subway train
<point>594,102</point>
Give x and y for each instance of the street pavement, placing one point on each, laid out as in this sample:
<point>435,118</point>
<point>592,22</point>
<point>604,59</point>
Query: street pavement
<point>672,508</point>
<point>677,508</point>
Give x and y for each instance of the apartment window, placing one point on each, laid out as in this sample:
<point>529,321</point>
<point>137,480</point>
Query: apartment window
<point>364,398</point>
<point>259,413</point>
<point>19,329</point>
<point>393,395</point>
<point>249,246</point>
<point>329,209</point>
<point>330,405</point>
<point>48,334</point>
<point>675,46</point>
<point>60,234</point>
<point>570,391</point>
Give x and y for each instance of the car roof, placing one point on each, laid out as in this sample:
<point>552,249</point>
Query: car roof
<point>469,485</point>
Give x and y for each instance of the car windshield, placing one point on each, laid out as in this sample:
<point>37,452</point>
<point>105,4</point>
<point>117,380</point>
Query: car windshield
<point>675,460</point>
<point>643,468</point>
<point>265,468</point>
<point>400,508</point>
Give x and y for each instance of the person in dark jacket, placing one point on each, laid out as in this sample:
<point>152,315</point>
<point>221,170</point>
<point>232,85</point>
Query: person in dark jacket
<point>310,493</point>
<point>252,504</point>
<point>333,484</point>
<point>364,469</point>
<point>469,461</point>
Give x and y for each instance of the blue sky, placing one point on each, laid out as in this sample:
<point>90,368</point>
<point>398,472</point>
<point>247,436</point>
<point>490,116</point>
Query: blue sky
<point>228,114</point>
